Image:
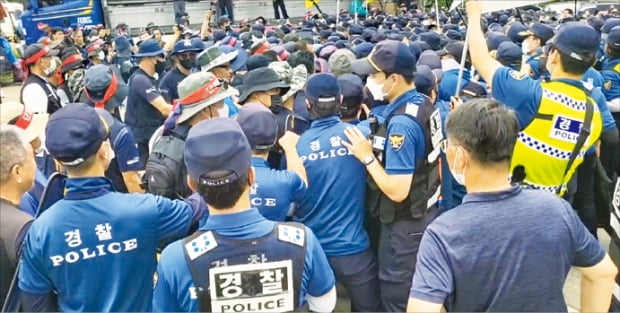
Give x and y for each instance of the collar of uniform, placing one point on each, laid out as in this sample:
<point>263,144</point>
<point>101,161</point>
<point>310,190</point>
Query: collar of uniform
<point>232,221</point>
<point>87,187</point>
<point>259,162</point>
<point>141,71</point>
<point>326,121</point>
<point>408,96</point>
<point>609,64</point>
<point>492,196</point>
<point>535,55</point>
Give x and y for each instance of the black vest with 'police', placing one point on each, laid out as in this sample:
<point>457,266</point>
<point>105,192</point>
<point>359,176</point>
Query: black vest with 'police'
<point>262,274</point>
<point>53,101</point>
<point>426,187</point>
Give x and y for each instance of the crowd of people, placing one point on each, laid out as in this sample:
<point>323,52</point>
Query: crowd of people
<point>421,161</point>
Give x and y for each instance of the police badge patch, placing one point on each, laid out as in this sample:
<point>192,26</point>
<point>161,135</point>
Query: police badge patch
<point>396,141</point>
<point>516,75</point>
<point>607,85</point>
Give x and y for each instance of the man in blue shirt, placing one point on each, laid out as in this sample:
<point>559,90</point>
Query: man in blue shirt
<point>451,56</point>
<point>505,248</point>
<point>352,89</point>
<point>146,107</point>
<point>94,239</point>
<point>184,55</point>
<point>405,187</point>
<point>334,203</point>
<point>238,260</point>
<point>276,193</point>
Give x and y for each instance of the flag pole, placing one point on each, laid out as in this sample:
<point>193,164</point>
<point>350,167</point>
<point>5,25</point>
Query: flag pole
<point>337,12</point>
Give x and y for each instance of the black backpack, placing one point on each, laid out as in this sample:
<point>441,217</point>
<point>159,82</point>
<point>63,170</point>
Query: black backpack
<point>165,173</point>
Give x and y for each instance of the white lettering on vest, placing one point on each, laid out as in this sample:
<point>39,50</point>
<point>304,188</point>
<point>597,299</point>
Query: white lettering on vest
<point>328,154</point>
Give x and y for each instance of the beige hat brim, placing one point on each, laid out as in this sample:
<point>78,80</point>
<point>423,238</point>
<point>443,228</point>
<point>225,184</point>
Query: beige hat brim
<point>37,126</point>
<point>189,111</point>
<point>221,60</point>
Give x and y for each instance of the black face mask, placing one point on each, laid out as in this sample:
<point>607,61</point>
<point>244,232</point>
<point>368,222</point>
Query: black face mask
<point>160,67</point>
<point>276,104</point>
<point>187,64</point>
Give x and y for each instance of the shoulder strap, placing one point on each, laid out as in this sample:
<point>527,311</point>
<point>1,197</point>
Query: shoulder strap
<point>583,133</point>
<point>202,292</point>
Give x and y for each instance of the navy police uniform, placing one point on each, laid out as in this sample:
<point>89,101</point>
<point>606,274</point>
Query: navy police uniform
<point>237,261</point>
<point>94,229</point>
<point>334,205</point>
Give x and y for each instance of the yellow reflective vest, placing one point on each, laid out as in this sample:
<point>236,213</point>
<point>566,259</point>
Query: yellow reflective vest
<point>544,147</point>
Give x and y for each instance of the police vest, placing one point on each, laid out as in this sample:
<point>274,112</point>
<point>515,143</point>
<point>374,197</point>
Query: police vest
<point>53,101</point>
<point>258,275</point>
<point>425,190</point>
<point>544,148</point>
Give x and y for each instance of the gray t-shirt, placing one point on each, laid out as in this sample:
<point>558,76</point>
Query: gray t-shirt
<point>505,251</point>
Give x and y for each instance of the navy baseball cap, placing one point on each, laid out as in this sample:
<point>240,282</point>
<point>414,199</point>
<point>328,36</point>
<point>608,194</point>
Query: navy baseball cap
<point>513,30</point>
<point>542,31</point>
<point>509,54</point>
<point>454,49</point>
<point>609,24</point>
<point>430,59</point>
<point>613,39</point>
<point>259,125</point>
<point>184,45</point>
<point>387,56</point>
<point>323,91</point>
<point>217,152</point>
<point>427,79</point>
<point>74,133</point>
<point>432,39</point>
<point>351,86</point>
<point>496,38</point>
<point>577,40</point>
<point>363,49</point>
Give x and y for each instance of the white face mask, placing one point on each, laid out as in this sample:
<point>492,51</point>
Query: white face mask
<point>223,111</point>
<point>54,63</point>
<point>525,47</point>
<point>101,55</point>
<point>458,177</point>
<point>375,89</point>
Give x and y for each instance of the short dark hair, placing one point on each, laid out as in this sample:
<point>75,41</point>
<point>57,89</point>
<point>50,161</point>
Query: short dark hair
<point>77,170</point>
<point>569,10</point>
<point>613,52</point>
<point>485,128</point>
<point>574,66</point>
<point>408,79</point>
<point>224,196</point>
<point>350,106</point>
<point>271,55</point>
<point>304,57</point>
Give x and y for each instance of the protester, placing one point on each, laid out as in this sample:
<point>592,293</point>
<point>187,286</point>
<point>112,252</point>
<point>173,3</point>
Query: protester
<point>529,259</point>
<point>17,175</point>
<point>146,107</point>
<point>237,241</point>
<point>201,97</point>
<point>100,222</point>
<point>184,56</point>
<point>37,94</point>
<point>215,61</point>
<point>33,124</point>
<point>103,89</point>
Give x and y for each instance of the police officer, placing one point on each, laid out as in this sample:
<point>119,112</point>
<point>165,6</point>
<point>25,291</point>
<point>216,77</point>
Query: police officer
<point>146,107</point>
<point>611,73</point>
<point>555,141</point>
<point>202,97</point>
<point>352,89</point>
<point>451,56</point>
<point>534,40</point>
<point>238,260</point>
<point>105,90</point>
<point>17,174</point>
<point>405,182</point>
<point>94,238</point>
<point>276,193</point>
<point>184,55</point>
<point>37,94</point>
<point>334,203</point>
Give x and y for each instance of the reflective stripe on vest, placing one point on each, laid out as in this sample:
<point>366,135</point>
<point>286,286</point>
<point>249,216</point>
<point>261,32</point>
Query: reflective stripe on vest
<point>544,147</point>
